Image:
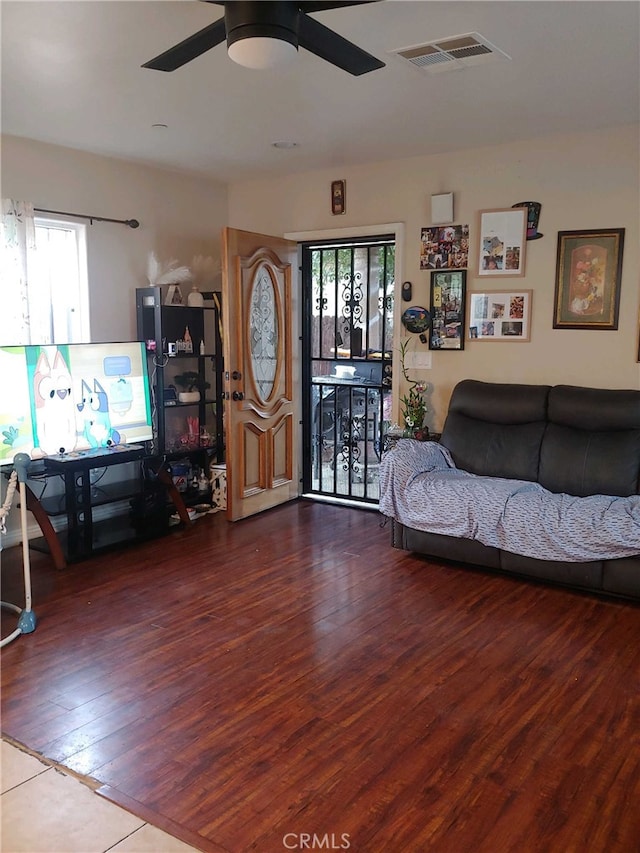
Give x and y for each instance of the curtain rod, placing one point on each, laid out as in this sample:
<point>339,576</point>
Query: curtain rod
<point>132,223</point>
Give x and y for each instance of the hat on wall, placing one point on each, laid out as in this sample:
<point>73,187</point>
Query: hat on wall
<point>533,217</point>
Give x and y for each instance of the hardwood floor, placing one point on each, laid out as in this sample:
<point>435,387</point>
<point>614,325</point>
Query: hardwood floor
<point>243,683</point>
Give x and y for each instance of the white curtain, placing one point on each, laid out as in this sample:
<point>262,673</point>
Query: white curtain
<point>18,242</point>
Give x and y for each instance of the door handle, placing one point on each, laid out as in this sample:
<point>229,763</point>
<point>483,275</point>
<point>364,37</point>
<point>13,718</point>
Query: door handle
<point>236,375</point>
<point>237,395</point>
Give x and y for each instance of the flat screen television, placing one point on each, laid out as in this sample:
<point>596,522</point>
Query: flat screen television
<point>73,397</point>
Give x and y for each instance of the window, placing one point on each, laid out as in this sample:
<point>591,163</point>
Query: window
<point>43,278</point>
<point>58,286</point>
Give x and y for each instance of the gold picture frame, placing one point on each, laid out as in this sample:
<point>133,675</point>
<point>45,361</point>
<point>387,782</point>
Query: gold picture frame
<point>588,279</point>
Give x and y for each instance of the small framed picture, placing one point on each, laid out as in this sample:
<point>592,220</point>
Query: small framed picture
<point>500,315</point>
<point>338,197</point>
<point>444,248</point>
<point>174,295</point>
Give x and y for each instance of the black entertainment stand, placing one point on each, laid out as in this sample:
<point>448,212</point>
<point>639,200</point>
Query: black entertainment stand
<point>145,496</point>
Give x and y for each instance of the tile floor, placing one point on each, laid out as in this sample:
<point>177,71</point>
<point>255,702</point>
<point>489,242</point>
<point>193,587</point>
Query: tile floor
<point>47,811</point>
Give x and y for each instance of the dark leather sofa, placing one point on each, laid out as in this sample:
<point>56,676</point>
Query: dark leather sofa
<point>580,441</point>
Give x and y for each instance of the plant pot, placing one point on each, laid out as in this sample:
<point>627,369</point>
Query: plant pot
<point>189,396</point>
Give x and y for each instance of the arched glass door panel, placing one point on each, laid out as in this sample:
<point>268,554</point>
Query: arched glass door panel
<point>263,333</point>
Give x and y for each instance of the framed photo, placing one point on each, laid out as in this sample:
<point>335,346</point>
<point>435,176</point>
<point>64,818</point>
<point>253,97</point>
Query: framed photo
<point>500,315</point>
<point>588,276</point>
<point>174,295</point>
<point>502,242</point>
<point>448,299</point>
<point>338,197</point>
<point>445,247</point>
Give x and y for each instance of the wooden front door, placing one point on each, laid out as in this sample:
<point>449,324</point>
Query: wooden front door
<point>260,406</point>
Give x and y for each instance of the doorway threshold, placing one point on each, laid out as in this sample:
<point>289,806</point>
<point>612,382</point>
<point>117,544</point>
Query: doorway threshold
<point>332,499</point>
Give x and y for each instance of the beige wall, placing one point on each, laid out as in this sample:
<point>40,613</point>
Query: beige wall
<point>180,216</point>
<point>583,181</point>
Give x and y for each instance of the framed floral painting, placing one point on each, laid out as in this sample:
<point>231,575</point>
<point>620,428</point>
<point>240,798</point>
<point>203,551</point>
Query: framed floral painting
<point>588,279</point>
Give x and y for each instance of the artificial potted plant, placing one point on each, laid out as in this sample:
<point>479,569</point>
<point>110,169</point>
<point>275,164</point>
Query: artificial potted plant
<point>413,405</point>
<point>193,384</point>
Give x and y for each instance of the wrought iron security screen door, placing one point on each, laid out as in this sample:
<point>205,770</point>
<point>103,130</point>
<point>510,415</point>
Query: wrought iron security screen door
<point>347,347</point>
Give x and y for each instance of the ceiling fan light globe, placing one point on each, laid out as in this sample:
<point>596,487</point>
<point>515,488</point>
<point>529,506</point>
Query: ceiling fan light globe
<point>260,53</point>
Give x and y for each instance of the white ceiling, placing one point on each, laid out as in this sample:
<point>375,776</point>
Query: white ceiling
<point>71,75</point>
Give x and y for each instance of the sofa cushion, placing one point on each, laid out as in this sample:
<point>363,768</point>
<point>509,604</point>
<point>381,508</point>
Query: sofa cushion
<point>581,463</point>
<point>592,443</point>
<point>495,429</point>
<point>594,408</point>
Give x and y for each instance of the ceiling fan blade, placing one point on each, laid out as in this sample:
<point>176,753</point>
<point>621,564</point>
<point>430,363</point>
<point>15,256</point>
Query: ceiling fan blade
<point>190,48</point>
<point>328,45</point>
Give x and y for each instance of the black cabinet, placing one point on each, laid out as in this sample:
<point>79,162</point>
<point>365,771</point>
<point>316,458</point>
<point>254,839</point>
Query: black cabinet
<point>182,340</point>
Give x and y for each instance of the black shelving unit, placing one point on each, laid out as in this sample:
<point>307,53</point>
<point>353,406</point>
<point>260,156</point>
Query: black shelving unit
<point>192,430</point>
<point>139,502</point>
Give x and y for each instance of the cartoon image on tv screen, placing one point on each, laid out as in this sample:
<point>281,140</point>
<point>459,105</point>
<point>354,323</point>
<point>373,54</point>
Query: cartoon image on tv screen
<point>95,411</point>
<point>72,398</point>
<point>55,412</point>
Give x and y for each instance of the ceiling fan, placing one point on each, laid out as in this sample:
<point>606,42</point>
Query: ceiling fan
<point>264,33</point>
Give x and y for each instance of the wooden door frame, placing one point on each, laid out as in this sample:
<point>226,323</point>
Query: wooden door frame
<point>397,229</point>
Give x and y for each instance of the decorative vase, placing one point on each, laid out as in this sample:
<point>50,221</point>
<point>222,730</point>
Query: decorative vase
<point>195,299</point>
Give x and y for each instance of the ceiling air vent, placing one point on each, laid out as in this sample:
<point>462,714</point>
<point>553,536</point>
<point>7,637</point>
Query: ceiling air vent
<point>451,54</point>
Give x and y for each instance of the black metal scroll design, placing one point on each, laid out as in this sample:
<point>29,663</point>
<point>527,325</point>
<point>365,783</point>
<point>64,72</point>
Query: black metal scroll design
<point>352,299</point>
<point>386,303</point>
<point>349,455</point>
<point>385,307</point>
<point>321,301</point>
